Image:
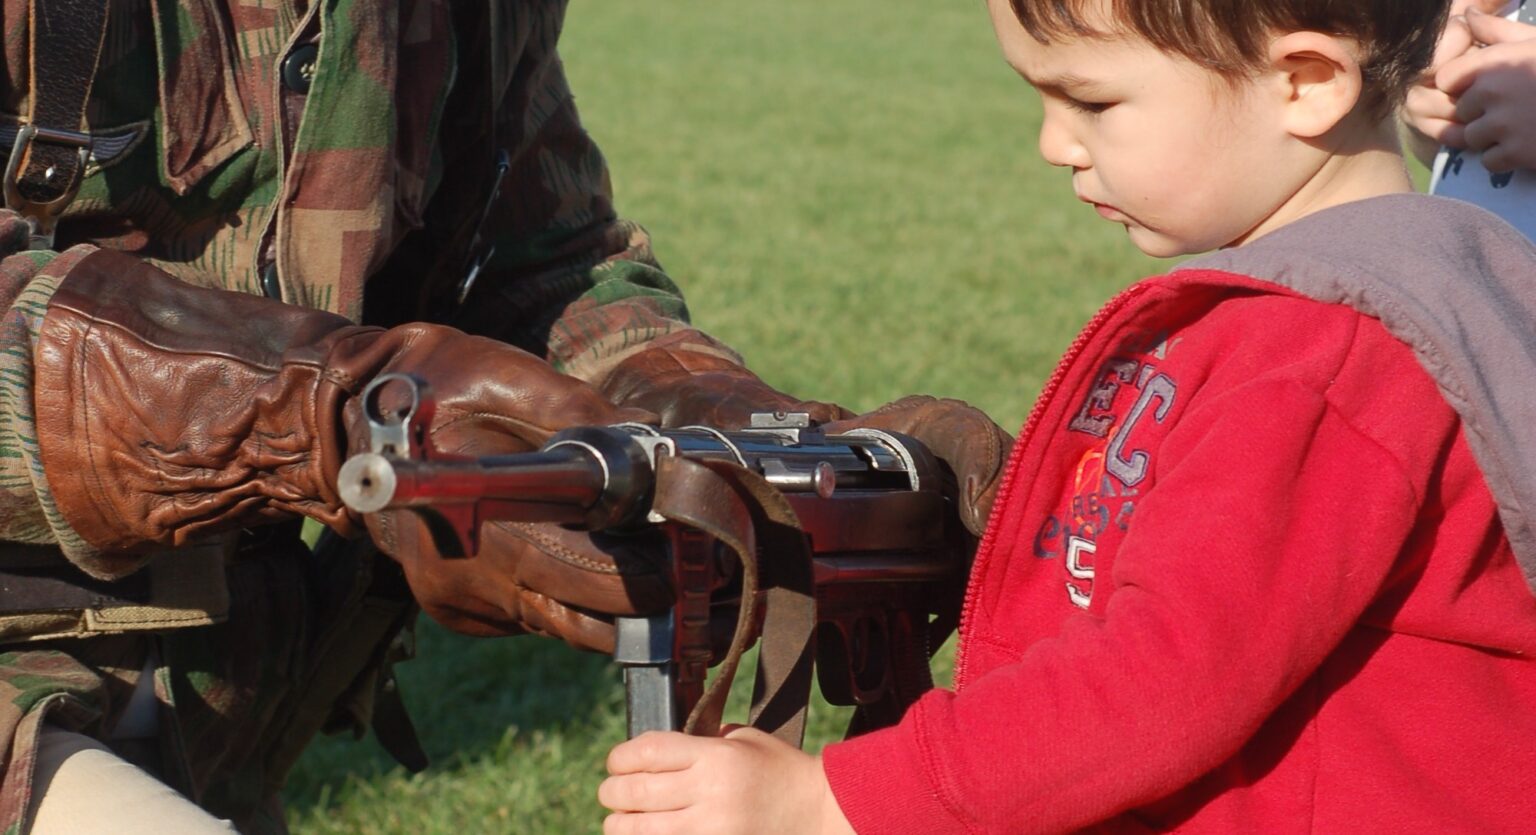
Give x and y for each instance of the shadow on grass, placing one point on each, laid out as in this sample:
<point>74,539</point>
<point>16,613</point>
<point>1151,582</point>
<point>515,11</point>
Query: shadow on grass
<point>470,699</point>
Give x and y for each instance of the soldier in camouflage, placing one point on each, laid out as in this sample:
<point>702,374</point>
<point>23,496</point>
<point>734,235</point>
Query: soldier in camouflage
<point>277,192</point>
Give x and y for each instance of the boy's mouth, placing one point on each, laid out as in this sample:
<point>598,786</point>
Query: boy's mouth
<point>1106,211</point>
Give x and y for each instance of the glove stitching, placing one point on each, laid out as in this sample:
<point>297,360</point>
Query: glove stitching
<point>555,549</point>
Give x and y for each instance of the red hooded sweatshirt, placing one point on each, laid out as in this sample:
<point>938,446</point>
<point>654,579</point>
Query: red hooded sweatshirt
<point>1246,572</point>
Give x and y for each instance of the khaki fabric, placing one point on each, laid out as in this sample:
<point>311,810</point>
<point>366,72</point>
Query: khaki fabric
<point>187,588</point>
<point>83,787</point>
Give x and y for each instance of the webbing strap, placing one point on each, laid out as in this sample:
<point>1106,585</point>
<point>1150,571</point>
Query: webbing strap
<point>44,596</point>
<point>49,157</point>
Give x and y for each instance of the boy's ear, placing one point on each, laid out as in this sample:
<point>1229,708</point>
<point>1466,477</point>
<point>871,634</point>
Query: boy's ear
<point>1320,78</point>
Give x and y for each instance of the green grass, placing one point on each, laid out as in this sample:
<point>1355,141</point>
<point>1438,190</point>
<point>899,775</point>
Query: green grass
<point>850,195</point>
<point>849,192</point>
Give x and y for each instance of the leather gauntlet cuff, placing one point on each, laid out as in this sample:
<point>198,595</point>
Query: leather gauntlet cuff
<point>685,386</point>
<point>165,411</point>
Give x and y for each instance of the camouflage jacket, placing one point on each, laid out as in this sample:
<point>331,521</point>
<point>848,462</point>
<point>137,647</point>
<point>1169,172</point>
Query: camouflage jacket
<point>337,154</point>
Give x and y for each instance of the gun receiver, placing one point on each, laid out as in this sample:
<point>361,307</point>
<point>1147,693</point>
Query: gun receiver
<point>852,526</point>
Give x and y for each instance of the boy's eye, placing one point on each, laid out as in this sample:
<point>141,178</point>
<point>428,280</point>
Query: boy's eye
<point>1087,106</point>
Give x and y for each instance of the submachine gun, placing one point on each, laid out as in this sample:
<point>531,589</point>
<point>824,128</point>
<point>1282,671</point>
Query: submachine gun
<point>836,550</point>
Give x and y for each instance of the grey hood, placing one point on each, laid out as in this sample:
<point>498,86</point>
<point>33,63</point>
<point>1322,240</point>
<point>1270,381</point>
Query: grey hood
<point>1458,285</point>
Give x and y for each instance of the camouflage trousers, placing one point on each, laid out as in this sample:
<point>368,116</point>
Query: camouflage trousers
<point>303,651</point>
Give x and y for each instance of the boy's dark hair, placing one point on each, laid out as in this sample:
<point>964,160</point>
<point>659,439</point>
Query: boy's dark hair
<point>1228,37</point>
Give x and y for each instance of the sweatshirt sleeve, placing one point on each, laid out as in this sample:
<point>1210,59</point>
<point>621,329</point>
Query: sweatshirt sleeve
<point>1273,524</point>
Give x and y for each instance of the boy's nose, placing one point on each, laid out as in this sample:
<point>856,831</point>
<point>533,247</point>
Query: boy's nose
<point>1059,146</point>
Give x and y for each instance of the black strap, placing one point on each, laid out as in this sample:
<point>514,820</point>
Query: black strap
<point>61,587</point>
<point>48,159</point>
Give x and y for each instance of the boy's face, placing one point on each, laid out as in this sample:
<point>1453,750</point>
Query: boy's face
<point>1185,160</point>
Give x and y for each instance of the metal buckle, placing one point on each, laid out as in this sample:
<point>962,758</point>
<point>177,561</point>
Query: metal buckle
<point>43,217</point>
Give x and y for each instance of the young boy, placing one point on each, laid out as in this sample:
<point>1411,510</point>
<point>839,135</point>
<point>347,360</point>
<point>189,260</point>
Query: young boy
<point>1257,562</point>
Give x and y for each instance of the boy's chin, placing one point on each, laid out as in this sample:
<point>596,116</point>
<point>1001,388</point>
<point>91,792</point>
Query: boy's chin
<point>1159,245</point>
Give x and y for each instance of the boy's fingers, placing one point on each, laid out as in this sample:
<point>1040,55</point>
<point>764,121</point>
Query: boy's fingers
<point>655,751</point>
<point>1491,29</point>
<point>665,791</point>
<point>743,731</point>
<point>654,823</point>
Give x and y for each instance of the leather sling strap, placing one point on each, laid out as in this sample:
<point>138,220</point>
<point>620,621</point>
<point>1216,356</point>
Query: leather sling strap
<point>694,494</point>
<point>781,691</point>
<point>49,157</point>
<point>748,516</point>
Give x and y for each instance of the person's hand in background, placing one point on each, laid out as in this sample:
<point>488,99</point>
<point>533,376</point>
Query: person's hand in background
<point>1493,86</point>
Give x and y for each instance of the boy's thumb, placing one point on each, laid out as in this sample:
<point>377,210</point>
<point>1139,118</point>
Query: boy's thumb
<point>1488,29</point>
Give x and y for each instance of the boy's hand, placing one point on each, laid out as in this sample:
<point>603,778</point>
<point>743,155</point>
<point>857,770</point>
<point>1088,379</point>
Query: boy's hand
<point>745,781</point>
<point>1494,88</point>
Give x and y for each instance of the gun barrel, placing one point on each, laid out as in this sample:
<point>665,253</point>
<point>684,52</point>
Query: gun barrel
<point>563,477</point>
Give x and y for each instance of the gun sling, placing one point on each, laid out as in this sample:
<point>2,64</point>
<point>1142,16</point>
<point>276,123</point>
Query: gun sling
<point>746,514</point>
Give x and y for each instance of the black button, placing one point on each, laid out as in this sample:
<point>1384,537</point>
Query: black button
<point>269,283</point>
<point>299,67</point>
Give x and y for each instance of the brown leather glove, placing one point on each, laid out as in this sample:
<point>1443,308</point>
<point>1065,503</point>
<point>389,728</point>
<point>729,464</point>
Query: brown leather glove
<point>970,446</point>
<point>167,411</point>
<point>542,579</point>
<point>685,381</point>
<point>506,589</point>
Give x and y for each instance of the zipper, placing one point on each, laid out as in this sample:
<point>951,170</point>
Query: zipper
<point>1031,424</point>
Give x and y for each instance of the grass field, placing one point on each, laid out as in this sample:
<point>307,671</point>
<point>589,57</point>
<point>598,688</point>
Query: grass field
<point>850,195</point>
